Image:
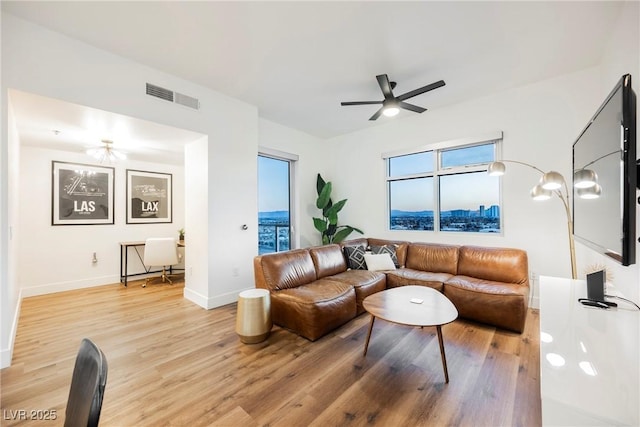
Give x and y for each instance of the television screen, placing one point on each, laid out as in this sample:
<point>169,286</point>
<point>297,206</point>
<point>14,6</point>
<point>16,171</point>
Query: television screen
<point>604,213</point>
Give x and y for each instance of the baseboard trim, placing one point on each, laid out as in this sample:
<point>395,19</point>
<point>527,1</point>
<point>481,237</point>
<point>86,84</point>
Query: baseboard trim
<point>6,355</point>
<point>211,302</point>
<point>195,297</point>
<point>535,302</point>
<point>50,288</point>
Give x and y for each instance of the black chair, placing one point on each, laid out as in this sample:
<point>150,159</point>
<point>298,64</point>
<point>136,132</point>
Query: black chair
<point>87,387</point>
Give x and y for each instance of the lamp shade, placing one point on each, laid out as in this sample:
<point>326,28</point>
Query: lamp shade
<point>592,192</point>
<point>551,180</point>
<point>496,169</point>
<point>540,193</point>
<point>585,178</point>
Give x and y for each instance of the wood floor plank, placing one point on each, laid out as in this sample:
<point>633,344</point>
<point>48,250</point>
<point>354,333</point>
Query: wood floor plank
<point>172,363</point>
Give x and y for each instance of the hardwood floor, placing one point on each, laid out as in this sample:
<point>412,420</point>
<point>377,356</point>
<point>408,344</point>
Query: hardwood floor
<point>174,363</point>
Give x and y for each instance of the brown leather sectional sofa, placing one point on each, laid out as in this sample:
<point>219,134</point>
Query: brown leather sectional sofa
<point>313,291</point>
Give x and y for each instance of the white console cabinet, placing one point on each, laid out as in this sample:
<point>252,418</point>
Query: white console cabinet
<point>589,358</point>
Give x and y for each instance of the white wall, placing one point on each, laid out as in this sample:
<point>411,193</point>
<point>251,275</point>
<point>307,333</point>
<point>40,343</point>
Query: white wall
<point>197,241</point>
<point>46,63</point>
<point>540,122</point>
<point>58,258</point>
<point>622,56</point>
<point>10,237</point>
<point>311,155</point>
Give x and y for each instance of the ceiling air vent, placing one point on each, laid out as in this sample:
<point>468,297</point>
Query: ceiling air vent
<point>171,96</point>
<point>159,92</point>
<point>187,101</point>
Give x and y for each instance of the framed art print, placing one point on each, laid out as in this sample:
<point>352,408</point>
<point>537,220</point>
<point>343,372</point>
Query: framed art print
<point>149,197</point>
<point>81,194</point>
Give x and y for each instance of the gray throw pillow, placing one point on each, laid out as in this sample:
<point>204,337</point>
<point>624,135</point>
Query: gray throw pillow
<point>355,257</point>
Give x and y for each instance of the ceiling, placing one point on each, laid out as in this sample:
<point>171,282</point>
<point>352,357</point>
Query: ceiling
<point>50,123</point>
<point>296,61</point>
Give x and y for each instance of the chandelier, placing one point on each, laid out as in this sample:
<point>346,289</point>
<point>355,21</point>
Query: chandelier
<point>106,153</point>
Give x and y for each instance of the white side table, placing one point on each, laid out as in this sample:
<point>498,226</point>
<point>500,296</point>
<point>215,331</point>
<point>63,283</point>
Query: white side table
<point>253,321</point>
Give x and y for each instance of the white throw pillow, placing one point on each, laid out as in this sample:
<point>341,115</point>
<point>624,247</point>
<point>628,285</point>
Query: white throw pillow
<point>377,262</point>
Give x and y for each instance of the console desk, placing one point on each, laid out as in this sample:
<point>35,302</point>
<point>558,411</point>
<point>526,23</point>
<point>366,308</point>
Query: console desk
<point>124,259</point>
<point>589,358</point>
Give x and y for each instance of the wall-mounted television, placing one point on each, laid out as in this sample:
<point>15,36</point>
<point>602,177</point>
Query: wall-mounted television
<point>604,215</point>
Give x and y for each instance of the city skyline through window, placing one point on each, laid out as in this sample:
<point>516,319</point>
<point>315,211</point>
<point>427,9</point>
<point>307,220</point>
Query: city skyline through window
<point>445,189</point>
<point>274,216</point>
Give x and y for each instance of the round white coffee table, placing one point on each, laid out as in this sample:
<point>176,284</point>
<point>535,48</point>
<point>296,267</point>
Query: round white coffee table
<point>412,306</point>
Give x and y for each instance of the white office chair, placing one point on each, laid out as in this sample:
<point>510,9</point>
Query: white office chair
<point>160,251</point>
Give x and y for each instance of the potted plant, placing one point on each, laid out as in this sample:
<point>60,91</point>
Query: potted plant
<point>328,225</point>
<point>181,234</point>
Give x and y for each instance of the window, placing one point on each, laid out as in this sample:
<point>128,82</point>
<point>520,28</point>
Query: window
<point>274,202</point>
<point>445,188</point>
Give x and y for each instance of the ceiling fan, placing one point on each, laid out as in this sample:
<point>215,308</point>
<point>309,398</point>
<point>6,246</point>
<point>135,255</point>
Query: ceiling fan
<point>391,104</point>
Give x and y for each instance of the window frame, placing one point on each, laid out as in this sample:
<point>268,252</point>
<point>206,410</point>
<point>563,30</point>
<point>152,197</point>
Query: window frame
<point>438,171</point>
<point>292,160</point>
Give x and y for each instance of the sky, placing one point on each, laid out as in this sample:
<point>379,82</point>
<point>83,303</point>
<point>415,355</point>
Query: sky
<point>460,191</point>
<point>273,184</point>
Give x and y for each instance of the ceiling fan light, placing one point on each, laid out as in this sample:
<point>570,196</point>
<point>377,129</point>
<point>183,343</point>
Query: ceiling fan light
<point>551,180</point>
<point>496,169</point>
<point>585,178</point>
<point>391,111</point>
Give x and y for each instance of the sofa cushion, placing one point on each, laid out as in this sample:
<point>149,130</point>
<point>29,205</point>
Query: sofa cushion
<point>386,249</point>
<point>355,257</point>
<point>286,270</point>
<point>494,264</point>
<point>359,241</point>
<point>407,276</point>
<point>495,303</point>
<point>328,260</point>
<point>314,309</point>
<point>433,257</point>
<point>364,282</point>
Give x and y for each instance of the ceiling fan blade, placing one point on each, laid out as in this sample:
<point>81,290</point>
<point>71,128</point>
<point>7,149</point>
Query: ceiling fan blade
<point>377,114</point>
<point>411,107</point>
<point>361,102</point>
<point>383,81</point>
<point>423,89</point>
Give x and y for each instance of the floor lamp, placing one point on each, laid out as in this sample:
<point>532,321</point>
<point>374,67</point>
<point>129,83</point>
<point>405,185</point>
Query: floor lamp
<point>550,183</point>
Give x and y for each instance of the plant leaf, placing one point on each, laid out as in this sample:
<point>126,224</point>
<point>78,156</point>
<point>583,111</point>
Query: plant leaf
<point>333,218</point>
<point>342,234</point>
<point>319,184</point>
<point>336,208</point>
<point>325,195</point>
<point>320,224</point>
<point>357,230</point>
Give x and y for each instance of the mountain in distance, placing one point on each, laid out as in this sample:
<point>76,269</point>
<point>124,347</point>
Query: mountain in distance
<point>423,214</point>
<point>281,215</point>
